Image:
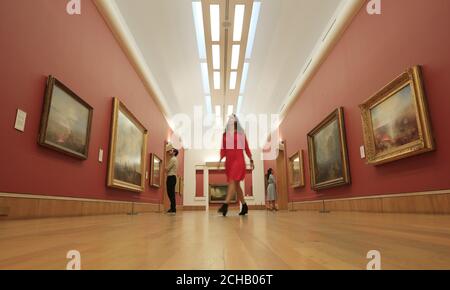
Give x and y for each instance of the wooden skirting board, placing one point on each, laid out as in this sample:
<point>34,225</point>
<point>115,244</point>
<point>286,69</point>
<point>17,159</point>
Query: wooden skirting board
<point>22,206</point>
<point>435,202</point>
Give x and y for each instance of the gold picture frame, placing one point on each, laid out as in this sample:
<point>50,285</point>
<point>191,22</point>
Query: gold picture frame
<point>296,170</point>
<point>179,185</point>
<point>156,170</point>
<point>66,121</point>
<point>396,122</point>
<point>128,144</point>
<point>328,156</point>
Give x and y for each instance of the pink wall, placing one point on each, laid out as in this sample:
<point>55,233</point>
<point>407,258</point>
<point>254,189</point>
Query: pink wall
<point>372,52</point>
<point>38,38</point>
<point>199,184</point>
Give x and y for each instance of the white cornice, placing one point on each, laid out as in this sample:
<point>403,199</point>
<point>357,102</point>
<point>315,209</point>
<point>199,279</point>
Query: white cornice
<point>338,24</point>
<point>111,13</point>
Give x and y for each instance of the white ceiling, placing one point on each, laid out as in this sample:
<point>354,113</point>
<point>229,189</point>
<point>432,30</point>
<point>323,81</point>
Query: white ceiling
<point>287,33</point>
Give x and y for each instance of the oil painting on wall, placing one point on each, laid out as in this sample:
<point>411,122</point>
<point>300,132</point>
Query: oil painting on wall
<point>395,120</point>
<point>296,173</point>
<point>66,121</point>
<point>155,172</point>
<point>218,194</point>
<point>328,153</point>
<point>127,150</point>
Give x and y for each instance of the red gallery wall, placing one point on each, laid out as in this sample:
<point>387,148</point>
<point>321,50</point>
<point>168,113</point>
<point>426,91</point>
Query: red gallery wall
<point>371,53</point>
<point>38,38</point>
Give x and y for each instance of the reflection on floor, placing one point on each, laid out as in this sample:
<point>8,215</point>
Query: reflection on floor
<point>197,240</point>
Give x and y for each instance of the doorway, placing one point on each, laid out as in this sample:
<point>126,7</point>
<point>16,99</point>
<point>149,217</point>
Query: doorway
<point>281,175</point>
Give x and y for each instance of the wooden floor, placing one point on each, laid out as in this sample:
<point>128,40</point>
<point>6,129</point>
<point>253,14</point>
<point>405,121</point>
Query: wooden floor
<point>198,240</point>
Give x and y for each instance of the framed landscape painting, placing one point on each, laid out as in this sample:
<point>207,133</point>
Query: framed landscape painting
<point>155,171</point>
<point>396,121</point>
<point>66,121</point>
<point>296,173</point>
<point>218,194</point>
<point>128,148</point>
<point>328,156</point>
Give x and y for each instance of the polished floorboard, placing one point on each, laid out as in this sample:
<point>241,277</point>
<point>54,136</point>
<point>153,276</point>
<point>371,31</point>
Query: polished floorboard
<point>198,240</point>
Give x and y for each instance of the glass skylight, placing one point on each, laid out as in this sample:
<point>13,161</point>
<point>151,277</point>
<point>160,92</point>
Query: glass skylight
<point>233,79</point>
<point>215,22</point>
<point>208,104</point>
<point>244,77</point>
<point>205,77</point>
<point>199,28</point>
<point>239,13</point>
<point>216,56</point>
<point>252,31</point>
<point>239,105</point>
<point>235,53</point>
<point>217,80</point>
<point>230,110</point>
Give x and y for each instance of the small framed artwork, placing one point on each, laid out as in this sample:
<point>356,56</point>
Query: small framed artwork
<point>218,194</point>
<point>179,185</point>
<point>155,171</point>
<point>66,121</point>
<point>128,150</point>
<point>396,121</point>
<point>296,171</point>
<point>328,157</point>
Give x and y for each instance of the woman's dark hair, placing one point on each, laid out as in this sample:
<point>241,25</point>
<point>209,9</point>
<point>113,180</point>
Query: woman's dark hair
<point>269,172</point>
<point>175,152</point>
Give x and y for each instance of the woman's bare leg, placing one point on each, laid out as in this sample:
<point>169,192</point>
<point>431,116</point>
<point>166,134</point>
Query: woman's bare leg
<point>231,191</point>
<point>240,193</point>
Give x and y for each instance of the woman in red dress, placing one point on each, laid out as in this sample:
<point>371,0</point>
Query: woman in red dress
<point>233,145</point>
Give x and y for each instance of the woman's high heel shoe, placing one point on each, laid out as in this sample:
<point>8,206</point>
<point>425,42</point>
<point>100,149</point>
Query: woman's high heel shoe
<point>244,210</point>
<point>224,209</point>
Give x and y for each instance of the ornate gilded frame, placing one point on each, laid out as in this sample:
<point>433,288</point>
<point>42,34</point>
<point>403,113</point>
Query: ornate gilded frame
<point>153,181</point>
<point>301,182</point>
<point>112,181</point>
<point>338,115</point>
<point>411,77</point>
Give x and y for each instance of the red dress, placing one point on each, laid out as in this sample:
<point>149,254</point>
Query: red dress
<point>233,150</point>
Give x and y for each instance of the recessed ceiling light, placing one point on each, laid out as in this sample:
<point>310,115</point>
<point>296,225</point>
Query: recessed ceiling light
<point>205,77</point>
<point>235,56</point>
<point>199,28</point>
<point>233,79</point>
<point>216,56</point>
<point>217,80</point>
<point>252,31</point>
<point>215,22</point>
<point>244,77</point>
<point>239,12</point>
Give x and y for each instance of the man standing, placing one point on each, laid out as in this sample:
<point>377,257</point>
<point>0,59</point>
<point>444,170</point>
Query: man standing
<point>171,170</point>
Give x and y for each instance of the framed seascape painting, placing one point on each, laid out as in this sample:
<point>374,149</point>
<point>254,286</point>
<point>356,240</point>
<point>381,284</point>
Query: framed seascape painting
<point>155,171</point>
<point>128,148</point>
<point>66,121</point>
<point>328,156</point>
<point>396,121</point>
<point>296,173</point>
<point>218,194</point>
